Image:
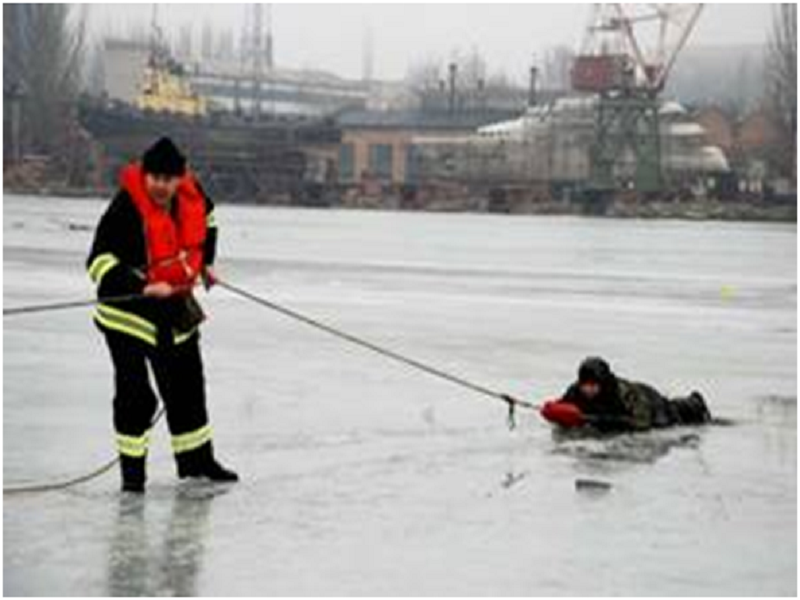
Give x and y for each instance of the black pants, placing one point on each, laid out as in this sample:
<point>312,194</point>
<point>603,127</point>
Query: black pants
<point>178,371</point>
<point>691,410</point>
<point>666,412</point>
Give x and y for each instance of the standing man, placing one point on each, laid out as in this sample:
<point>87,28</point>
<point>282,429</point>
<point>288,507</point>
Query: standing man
<point>156,239</point>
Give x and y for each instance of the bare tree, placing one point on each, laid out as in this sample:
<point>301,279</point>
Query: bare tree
<point>224,48</point>
<point>782,85</point>
<point>475,82</point>
<point>472,70</point>
<point>45,43</point>
<point>425,75</point>
<point>207,41</point>
<point>556,67</point>
<point>426,81</point>
<point>184,45</point>
<point>94,69</point>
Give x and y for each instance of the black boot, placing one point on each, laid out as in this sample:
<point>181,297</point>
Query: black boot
<point>701,408</point>
<point>133,473</point>
<point>201,463</point>
<point>691,410</point>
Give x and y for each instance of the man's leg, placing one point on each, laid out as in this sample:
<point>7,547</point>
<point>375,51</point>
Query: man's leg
<point>134,407</point>
<point>691,410</point>
<point>661,413</point>
<point>179,373</point>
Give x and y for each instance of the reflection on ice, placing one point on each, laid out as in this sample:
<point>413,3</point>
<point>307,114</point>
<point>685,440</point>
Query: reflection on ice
<point>143,563</point>
<point>626,448</point>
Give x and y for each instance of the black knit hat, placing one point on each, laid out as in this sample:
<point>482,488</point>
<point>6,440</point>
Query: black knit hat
<point>594,369</point>
<point>164,158</point>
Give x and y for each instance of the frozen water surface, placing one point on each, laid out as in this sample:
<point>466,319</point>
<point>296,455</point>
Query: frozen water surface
<point>362,477</point>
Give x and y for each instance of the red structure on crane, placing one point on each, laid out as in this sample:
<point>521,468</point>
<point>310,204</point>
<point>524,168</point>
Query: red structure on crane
<point>612,55</point>
<point>628,76</point>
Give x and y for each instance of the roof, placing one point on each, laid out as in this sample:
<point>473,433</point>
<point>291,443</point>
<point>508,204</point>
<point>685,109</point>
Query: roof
<point>419,120</point>
<point>688,128</point>
<point>671,108</point>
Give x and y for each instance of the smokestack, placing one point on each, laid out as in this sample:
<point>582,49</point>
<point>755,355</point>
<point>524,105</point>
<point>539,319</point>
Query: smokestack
<point>532,86</point>
<point>270,61</point>
<point>451,101</point>
<point>258,57</point>
<point>367,53</point>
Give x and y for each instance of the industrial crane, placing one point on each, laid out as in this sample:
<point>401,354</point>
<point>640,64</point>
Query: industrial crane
<point>628,75</point>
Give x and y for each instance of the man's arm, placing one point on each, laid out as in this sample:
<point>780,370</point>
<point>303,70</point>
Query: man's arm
<point>109,263</point>
<point>611,416</point>
<point>210,247</point>
<point>571,394</point>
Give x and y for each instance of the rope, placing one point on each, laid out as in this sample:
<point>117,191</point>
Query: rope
<point>67,483</point>
<point>510,401</point>
<point>34,308</point>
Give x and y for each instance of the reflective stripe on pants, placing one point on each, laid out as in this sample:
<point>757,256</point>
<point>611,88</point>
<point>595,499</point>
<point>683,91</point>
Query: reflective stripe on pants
<point>135,447</point>
<point>132,324</point>
<point>186,442</point>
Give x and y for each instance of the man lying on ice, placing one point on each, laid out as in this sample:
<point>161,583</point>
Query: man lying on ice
<point>611,404</point>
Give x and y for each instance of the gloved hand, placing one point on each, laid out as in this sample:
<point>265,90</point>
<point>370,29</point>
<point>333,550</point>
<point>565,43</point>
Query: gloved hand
<point>159,289</point>
<point>209,277</point>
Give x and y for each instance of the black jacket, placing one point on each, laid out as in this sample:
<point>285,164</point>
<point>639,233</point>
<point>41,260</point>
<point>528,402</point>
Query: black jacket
<point>117,263</point>
<point>621,405</point>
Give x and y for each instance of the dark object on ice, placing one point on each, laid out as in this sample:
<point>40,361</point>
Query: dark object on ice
<point>203,464</point>
<point>592,485</point>
<point>512,479</point>
<point>611,404</point>
<point>78,227</point>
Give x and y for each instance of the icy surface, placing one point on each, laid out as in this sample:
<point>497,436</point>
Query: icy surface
<point>362,477</point>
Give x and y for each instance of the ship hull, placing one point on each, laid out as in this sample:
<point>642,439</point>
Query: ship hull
<point>237,160</point>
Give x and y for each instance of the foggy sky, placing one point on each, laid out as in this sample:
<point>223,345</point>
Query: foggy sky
<point>330,36</point>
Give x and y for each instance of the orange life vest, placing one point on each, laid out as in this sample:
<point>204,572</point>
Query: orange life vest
<point>174,247</point>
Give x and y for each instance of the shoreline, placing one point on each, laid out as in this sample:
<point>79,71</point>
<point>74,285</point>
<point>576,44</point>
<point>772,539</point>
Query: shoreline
<point>733,211</point>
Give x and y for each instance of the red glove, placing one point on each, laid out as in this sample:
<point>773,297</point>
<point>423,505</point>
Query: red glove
<point>564,414</point>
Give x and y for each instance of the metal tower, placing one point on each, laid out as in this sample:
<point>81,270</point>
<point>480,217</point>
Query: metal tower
<point>258,58</point>
<point>628,77</point>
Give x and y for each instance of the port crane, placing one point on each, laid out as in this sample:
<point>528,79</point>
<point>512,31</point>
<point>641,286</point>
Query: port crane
<point>628,75</point>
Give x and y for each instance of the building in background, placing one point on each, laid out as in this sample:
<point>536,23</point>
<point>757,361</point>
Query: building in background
<point>750,141</point>
<point>379,146</point>
<point>123,65</point>
<point>229,86</point>
<point>718,125</point>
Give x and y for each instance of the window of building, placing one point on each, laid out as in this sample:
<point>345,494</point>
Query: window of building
<point>412,164</point>
<point>380,160</point>
<point>346,163</point>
